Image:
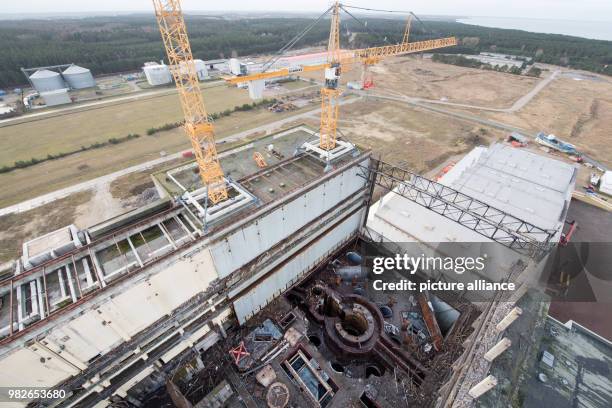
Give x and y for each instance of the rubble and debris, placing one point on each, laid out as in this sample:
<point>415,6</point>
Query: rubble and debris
<point>266,376</point>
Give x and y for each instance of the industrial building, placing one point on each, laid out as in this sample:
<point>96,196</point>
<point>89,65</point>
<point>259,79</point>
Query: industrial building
<point>103,313</point>
<point>54,83</point>
<point>519,183</point>
<point>249,281</point>
<point>159,73</point>
<point>605,183</point>
<point>56,77</point>
<point>499,60</point>
<point>56,97</point>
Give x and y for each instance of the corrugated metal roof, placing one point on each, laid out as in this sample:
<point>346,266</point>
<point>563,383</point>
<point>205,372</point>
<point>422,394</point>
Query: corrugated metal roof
<point>526,185</point>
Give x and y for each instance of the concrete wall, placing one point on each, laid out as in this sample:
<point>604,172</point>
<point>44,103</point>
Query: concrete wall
<point>70,346</point>
<point>255,238</point>
<point>290,272</point>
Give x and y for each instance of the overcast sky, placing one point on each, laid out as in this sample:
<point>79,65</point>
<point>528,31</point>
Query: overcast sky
<point>598,10</point>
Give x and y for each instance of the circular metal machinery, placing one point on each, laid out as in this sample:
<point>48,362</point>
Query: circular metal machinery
<point>278,395</point>
<point>351,323</point>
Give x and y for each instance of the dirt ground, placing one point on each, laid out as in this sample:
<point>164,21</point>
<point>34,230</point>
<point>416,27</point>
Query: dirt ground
<point>577,111</point>
<point>83,209</point>
<point>17,228</point>
<point>422,78</point>
<point>576,106</point>
<point>418,77</point>
<point>409,137</point>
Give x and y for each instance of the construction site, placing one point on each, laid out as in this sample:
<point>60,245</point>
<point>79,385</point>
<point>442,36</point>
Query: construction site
<point>246,276</point>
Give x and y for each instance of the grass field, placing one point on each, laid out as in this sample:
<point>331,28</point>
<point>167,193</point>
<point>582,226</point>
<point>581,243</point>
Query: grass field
<point>70,131</point>
<point>49,176</point>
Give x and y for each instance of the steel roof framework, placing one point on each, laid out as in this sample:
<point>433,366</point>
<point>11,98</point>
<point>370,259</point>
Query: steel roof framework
<point>474,214</point>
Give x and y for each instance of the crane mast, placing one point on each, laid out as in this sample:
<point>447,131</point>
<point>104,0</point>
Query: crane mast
<point>336,58</point>
<point>330,91</point>
<point>198,126</point>
<point>366,75</point>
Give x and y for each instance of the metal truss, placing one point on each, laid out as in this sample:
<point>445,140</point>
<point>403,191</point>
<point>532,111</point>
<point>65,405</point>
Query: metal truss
<point>474,214</point>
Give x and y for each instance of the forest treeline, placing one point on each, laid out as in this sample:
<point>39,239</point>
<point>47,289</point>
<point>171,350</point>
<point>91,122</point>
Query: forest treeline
<point>123,43</point>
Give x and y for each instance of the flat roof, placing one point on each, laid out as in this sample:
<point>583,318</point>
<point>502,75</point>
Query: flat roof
<point>550,363</point>
<point>283,173</point>
<point>50,241</point>
<point>531,187</point>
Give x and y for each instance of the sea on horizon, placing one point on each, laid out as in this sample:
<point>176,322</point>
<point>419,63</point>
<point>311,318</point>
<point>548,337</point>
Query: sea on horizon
<point>598,30</point>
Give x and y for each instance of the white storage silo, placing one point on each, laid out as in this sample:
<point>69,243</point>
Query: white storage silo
<point>234,66</point>
<point>78,77</point>
<point>157,74</point>
<point>201,69</point>
<point>44,80</point>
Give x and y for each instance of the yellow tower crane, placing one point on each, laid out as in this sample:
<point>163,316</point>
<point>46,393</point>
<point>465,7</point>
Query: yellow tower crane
<point>198,126</point>
<point>330,91</point>
<point>337,58</point>
<point>366,76</point>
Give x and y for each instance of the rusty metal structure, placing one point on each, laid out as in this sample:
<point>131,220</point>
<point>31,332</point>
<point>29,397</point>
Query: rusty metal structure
<point>259,160</point>
<point>491,222</point>
<point>354,329</point>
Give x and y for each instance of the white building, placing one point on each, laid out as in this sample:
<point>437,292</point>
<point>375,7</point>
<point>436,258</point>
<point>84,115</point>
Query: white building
<point>56,97</point>
<point>157,74</point>
<point>518,185</point>
<point>605,183</point>
<point>160,74</point>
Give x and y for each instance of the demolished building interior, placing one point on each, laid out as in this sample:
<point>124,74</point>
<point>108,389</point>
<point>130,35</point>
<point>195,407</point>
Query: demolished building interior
<point>263,305</point>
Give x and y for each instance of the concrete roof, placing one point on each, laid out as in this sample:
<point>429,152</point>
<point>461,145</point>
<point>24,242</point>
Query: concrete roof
<point>531,187</point>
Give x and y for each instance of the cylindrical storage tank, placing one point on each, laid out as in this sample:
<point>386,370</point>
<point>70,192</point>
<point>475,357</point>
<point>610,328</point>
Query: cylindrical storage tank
<point>157,74</point>
<point>78,77</point>
<point>45,80</point>
<point>234,66</point>
<point>201,69</point>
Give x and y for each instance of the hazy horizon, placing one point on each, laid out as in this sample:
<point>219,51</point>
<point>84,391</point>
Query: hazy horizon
<point>587,10</point>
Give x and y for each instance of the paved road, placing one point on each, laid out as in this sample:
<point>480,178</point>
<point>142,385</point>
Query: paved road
<point>86,185</point>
